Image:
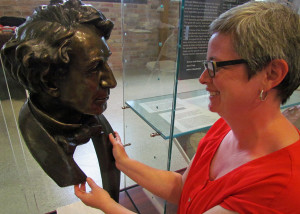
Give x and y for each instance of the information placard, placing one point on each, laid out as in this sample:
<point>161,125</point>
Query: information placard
<point>197,16</point>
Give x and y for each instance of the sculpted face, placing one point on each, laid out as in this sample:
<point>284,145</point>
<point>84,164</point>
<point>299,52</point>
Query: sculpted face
<point>87,84</point>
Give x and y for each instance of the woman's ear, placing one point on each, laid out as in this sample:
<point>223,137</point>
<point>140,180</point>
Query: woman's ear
<point>276,72</point>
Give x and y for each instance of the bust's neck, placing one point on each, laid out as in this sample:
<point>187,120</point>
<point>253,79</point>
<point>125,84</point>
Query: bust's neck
<point>55,109</point>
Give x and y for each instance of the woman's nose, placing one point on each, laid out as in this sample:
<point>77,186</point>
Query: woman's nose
<point>204,77</point>
<point>107,78</point>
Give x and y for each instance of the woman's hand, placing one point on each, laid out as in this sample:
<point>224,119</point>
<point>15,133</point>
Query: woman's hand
<point>119,152</point>
<point>97,197</point>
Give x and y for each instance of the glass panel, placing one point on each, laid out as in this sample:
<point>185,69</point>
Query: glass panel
<point>150,38</point>
<point>22,179</point>
<point>14,179</point>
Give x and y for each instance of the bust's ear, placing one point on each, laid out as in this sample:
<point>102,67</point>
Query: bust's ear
<point>49,84</point>
<point>25,54</point>
<point>36,72</point>
<point>63,51</point>
<point>37,61</point>
<point>48,79</point>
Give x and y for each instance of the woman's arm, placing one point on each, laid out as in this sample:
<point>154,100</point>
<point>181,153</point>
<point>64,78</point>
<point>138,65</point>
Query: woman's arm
<point>165,184</point>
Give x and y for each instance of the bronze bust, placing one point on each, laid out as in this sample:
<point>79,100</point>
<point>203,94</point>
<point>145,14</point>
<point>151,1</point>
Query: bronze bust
<point>60,56</point>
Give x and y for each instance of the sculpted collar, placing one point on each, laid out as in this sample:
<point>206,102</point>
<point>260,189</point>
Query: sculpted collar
<point>67,135</point>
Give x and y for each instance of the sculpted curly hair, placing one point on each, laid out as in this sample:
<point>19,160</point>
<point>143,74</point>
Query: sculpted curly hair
<point>38,52</point>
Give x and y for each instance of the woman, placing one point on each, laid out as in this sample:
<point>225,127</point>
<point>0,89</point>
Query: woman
<point>248,161</point>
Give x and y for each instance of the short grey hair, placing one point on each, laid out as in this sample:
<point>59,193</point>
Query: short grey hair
<point>261,32</point>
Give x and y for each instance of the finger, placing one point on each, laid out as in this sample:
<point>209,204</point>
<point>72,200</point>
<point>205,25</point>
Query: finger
<point>115,139</point>
<point>82,187</point>
<point>76,188</point>
<point>112,138</point>
<point>117,136</point>
<point>78,192</point>
<point>92,183</point>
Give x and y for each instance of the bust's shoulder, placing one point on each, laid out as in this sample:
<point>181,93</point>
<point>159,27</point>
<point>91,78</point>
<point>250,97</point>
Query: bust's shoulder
<point>104,123</point>
<point>26,119</point>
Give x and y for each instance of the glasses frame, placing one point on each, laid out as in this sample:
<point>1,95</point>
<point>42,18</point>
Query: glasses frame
<point>212,66</point>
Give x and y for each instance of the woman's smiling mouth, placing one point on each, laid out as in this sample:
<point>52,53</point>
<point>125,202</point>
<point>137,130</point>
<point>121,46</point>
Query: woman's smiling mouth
<point>214,93</point>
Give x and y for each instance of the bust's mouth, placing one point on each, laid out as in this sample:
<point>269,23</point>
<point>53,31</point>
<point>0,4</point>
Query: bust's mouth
<point>102,98</point>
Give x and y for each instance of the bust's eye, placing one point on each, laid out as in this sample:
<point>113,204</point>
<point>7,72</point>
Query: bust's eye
<point>96,67</point>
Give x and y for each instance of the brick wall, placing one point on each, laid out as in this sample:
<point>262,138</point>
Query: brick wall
<point>145,30</point>
<point>24,8</point>
<point>138,47</point>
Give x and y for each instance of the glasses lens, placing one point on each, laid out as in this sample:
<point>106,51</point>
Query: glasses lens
<point>210,68</point>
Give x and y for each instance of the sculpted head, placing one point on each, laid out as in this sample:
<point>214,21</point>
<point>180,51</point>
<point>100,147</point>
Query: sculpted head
<point>60,56</point>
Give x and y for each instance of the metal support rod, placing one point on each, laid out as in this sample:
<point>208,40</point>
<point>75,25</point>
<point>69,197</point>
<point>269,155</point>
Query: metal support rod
<point>154,134</point>
<point>125,107</point>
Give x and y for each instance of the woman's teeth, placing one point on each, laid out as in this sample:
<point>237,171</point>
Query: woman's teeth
<point>214,93</point>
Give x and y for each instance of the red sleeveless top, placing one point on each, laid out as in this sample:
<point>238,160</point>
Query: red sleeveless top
<point>270,184</point>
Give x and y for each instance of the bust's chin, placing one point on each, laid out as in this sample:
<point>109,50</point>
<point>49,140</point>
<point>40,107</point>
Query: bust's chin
<point>97,109</point>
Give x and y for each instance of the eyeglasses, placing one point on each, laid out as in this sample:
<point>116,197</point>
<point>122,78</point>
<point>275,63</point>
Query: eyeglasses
<point>212,66</point>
